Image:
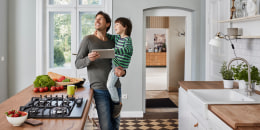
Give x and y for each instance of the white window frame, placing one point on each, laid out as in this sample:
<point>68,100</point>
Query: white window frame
<point>42,42</point>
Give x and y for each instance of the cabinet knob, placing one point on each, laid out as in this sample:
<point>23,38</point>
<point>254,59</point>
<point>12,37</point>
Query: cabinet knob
<point>196,125</point>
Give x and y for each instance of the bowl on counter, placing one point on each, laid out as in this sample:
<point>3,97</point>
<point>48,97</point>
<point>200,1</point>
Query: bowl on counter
<point>17,121</point>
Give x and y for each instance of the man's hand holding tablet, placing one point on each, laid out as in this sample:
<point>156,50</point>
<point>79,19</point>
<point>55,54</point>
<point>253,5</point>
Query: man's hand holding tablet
<point>104,53</point>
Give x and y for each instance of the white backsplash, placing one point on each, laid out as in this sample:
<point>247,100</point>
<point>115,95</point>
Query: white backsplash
<point>245,48</point>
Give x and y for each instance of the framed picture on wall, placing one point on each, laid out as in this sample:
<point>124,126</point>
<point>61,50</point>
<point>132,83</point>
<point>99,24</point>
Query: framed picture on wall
<point>159,42</point>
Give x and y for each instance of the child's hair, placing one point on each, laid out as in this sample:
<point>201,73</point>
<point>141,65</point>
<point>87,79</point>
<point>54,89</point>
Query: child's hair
<point>125,22</point>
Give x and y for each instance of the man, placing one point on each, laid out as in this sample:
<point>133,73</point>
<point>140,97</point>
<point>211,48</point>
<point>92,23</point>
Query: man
<point>98,70</point>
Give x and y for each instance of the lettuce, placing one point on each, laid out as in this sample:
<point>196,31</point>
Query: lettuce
<point>43,81</point>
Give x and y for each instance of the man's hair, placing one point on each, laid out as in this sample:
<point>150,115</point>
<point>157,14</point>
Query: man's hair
<point>107,18</point>
<point>125,22</point>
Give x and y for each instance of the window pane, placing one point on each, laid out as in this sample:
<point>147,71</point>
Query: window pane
<point>59,2</point>
<point>87,25</point>
<point>90,2</point>
<point>60,39</point>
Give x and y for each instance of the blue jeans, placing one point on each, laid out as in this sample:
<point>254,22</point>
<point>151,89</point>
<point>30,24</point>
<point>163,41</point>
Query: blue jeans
<point>105,106</point>
<point>111,81</point>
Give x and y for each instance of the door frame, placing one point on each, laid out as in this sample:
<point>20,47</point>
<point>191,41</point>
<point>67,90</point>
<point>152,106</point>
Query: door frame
<point>172,11</point>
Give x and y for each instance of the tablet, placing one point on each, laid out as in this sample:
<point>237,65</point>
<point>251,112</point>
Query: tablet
<point>105,53</point>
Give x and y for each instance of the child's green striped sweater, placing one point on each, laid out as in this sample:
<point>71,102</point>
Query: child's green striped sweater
<point>123,50</point>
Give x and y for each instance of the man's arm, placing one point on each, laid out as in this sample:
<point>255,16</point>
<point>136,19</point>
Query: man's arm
<point>82,59</point>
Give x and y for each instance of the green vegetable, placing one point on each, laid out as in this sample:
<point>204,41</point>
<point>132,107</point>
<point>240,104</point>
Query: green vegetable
<point>43,81</point>
<point>66,80</point>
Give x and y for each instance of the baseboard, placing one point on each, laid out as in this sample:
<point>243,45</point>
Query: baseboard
<point>132,114</point>
<point>124,114</point>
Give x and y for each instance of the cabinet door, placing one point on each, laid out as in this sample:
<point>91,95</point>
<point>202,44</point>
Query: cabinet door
<point>216,123</point>
<point>195,124</point>
<point>183,110</point>
<point>148,59</point>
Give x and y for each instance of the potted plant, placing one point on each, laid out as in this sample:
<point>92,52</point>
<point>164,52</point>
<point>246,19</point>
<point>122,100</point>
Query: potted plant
<point>241,74</point>
<point>227,75</point>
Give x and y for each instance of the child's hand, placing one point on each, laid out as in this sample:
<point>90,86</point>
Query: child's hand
<point>119,71</point>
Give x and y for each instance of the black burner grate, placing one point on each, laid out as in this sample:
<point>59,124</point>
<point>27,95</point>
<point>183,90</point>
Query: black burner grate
<point>54,107</point>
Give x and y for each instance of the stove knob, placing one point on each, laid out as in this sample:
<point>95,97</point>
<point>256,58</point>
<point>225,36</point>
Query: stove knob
<point>79,102</point>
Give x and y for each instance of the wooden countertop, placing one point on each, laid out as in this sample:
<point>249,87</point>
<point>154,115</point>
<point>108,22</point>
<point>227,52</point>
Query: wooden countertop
<point>203,85</point>
<point>239,117</point>
<point>23,97</point>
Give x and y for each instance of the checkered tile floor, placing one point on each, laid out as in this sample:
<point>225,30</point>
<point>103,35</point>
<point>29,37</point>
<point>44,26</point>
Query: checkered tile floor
<point>140,124</point>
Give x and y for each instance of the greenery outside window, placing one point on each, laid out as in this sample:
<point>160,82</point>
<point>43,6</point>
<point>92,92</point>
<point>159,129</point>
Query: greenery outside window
<point>61,26</point>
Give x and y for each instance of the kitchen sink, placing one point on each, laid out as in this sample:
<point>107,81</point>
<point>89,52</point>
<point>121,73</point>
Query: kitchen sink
<point>199,99</point>
<point>223,96</point>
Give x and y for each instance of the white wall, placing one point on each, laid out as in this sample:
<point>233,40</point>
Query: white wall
<point>21,44</point>
<point>133,83</point>
<point>245,48</point>
<point>3,50</point>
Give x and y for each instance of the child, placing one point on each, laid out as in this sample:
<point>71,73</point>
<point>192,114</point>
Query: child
<point>123,52</point>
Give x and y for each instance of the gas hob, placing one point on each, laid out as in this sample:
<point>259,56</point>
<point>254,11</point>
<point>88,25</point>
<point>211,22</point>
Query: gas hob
<point>55,107</point>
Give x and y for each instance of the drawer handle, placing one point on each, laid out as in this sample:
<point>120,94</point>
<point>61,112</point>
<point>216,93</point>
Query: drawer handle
<point>196,125</point>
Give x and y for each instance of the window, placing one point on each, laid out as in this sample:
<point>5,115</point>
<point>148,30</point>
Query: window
<point>61,26</point>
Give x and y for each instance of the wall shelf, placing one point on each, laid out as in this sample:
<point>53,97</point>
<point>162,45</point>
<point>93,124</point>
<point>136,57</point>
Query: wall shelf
<point>256,17</point>
<point>247,37</point>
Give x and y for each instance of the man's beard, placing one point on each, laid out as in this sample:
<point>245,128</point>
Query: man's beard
<point>101,29</point>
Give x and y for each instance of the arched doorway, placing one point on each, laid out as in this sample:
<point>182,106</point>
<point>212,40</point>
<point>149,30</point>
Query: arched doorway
<point>173,13</point>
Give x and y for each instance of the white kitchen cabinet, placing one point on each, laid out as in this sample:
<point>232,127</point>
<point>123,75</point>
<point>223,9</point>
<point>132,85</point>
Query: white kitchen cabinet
<point>183,116</point>
<point>190,117</point>
<point>216,123</point>
<point>187,119</point>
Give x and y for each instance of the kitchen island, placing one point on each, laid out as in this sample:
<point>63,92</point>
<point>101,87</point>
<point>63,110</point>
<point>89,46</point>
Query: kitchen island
<point>220,116</point>
<point>23,97</point>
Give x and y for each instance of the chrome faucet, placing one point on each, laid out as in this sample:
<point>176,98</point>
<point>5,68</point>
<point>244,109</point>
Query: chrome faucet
<point>249,89</point>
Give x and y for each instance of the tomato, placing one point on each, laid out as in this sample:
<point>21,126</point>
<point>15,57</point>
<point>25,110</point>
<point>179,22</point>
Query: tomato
<point>58,88</point>
<point>46,89</point>
<point>41,89</point>
<point>36,89</point>
<point>16,115</point>
<point>53,89</point>
<point>61,87</point>
<point>61,78</point>
<point>10,112</point>
<point>20,112</point>
<point>55,79</point>
<point>24,113</point>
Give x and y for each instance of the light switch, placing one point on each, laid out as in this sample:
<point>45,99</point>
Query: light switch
<point>2,58</point>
